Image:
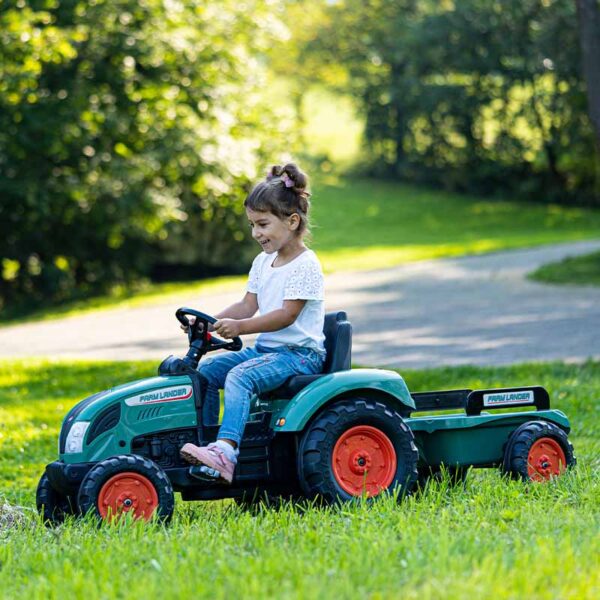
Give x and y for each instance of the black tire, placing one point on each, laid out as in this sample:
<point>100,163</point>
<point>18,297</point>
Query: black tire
<point>131,468</point>
<point>52,505</point>
<point>516,462</point>
<point>457,475</point>
<point>316,451</point>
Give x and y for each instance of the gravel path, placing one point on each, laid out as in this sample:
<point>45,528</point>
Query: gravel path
<point>473,310</point>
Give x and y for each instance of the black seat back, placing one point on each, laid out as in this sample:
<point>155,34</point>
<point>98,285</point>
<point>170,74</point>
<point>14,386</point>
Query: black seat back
<point>338,342</point>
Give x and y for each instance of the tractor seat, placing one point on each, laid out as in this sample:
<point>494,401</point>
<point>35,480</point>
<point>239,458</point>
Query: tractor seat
<point>338,343</point>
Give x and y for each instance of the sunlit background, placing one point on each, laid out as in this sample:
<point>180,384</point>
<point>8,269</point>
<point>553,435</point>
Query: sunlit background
<point>131,130</point>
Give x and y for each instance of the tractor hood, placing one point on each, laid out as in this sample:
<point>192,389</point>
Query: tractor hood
<point>105,423</point>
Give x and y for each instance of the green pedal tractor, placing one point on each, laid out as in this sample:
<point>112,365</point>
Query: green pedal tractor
<point>334,436</point>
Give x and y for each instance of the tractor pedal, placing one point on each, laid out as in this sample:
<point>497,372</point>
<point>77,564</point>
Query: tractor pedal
<point>204,473</point>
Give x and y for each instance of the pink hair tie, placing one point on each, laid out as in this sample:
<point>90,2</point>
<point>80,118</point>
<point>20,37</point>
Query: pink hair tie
<point>286,180</point>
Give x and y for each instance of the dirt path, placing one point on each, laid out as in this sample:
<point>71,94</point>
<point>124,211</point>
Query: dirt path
<point>472,310</point>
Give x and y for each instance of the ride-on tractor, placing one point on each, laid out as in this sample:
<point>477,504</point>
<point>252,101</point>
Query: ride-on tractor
<point>334,436</point>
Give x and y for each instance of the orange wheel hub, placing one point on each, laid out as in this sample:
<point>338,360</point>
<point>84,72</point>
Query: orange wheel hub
<point>128,492</point>
<point>364,461</point>
<point>546,459</point>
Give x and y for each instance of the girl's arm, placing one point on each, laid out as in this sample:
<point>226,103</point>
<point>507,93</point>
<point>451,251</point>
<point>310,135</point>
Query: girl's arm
<point>271,321</point>
<point>243,309</point>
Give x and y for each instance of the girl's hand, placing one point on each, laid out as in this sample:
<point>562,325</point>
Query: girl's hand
<point>228,328</point>
<point>191,320</point>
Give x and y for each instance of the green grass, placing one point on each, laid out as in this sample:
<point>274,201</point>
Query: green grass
<point>576,270</point>
<point>372,225</point>
<point>366,225</point>
<point>493,539</point>
<point>143,294</point>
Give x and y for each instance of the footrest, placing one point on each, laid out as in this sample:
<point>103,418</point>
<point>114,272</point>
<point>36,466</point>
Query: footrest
<point>204,473</point>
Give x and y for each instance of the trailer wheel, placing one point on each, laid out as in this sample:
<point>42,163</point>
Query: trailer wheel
<point>127,483</point>
<point>52,505</point>
<point>538,451</point>
<point>357,447</point>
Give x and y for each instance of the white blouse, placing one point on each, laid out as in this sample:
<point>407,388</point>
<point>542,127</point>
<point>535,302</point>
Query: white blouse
<point>300,279</point>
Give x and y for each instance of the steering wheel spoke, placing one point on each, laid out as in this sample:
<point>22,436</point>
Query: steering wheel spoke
<point>199,330</point>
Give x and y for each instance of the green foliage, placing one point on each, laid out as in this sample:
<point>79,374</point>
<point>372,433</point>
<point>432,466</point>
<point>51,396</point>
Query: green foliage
<point>362,224</point>
<point>577,270</point>
<point>494,539</point>
<point>473,95</point>
<point>129,132</point>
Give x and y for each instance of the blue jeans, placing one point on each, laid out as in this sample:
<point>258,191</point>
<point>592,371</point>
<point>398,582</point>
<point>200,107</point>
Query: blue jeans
<point>251,371</point>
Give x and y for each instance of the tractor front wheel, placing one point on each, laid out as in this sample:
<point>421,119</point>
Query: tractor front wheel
<point>127,484</point>
<point>537,451</point>
<point>52,505</point>
<point>357,447</point>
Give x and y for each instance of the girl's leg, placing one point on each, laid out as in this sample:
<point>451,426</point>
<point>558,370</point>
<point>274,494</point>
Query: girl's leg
<point>257,376</point>
<point>214,370</point>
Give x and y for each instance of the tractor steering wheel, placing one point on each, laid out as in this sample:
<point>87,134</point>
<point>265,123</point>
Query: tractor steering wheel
<point>209,341</point>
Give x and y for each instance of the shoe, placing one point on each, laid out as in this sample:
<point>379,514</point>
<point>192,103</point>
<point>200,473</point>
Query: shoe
<point>212,456</point>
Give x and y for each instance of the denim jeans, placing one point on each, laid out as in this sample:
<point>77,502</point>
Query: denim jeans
<point>248,372</point>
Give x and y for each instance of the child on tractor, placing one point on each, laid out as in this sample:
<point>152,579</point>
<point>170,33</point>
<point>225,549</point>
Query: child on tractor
<point>285,285</point>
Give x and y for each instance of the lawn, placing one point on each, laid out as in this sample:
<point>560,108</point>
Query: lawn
<point>494,538</point>
<point>362,224</point>
<point>575,270</point>
<point>366,225</point>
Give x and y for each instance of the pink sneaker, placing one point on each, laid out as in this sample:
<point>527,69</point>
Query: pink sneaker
<point>212,456</point>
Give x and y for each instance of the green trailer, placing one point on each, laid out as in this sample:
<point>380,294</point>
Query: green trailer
<point>334,436</point>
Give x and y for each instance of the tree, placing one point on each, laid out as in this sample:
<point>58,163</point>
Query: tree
<point>589,27</point>
<point>124,123</point>
<point>473,95</point>
<point>588,12</point>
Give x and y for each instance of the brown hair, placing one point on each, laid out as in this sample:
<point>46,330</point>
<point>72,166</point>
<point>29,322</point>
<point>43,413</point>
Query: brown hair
<point>283,193</point>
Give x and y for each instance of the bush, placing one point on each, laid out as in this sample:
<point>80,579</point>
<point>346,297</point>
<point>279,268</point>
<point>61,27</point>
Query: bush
<point>129,134</point>
<point>475,96</point>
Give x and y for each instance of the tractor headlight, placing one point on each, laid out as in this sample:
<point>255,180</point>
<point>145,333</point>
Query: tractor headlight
<point>75,436</point>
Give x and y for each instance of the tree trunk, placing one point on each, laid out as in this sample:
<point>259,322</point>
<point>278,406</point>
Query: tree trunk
<point>589,34</point>
<point>298,101</point>
<point>398,115</point>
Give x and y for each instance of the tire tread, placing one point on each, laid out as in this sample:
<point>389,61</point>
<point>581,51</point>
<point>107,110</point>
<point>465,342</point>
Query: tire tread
<point>516,453</point>
<point>100,473</point>
<point>315,473</point>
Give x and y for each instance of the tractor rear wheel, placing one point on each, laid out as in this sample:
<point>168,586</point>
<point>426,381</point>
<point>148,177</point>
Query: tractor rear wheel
<point>357,447</point>
<point>52,505</point>
<point>538,451</point>
<point>127,483</point>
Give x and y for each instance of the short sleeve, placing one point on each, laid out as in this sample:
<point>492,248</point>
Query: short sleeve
<point>254,275</point>
<point>305,282</point>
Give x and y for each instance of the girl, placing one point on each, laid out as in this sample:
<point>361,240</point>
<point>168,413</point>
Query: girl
<point>286,285</point>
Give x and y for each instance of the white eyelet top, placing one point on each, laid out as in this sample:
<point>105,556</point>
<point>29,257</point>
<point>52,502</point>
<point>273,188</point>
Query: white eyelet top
<point>300,279</point>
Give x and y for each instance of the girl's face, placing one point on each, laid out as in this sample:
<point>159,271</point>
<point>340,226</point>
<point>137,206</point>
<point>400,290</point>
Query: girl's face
<point>272,233</point>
